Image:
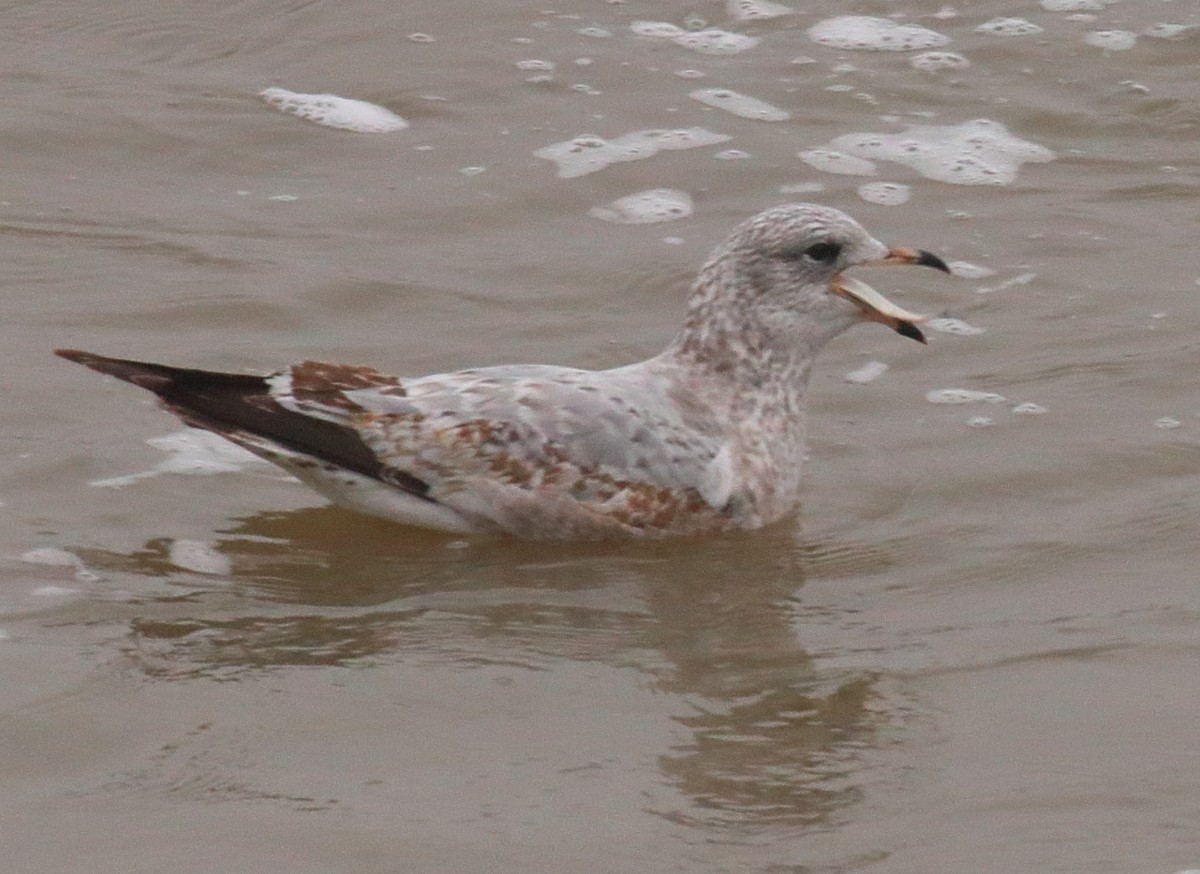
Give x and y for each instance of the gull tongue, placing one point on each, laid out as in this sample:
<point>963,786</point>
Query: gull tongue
<point>878,308</point>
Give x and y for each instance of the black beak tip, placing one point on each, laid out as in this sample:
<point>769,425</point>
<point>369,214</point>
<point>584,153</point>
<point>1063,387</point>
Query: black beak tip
<point>928,259</point>
<point>908,329</point>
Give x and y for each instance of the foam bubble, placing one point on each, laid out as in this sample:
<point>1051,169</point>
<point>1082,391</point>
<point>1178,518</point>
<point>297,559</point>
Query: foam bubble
<point>710,41</point>
<point>740,104</point>
<point>885,193</point>
<point>1111,40</point>
<point>50,555</point>
<point>979,152</point>
<point>192,452</point>
<point>1167,423</point>
<point>1009,27</point>
<point>755,10</point>
<point>1073,5</point>
<point>53,592</point>
<point>931,62</point>
<point>54,557</point>
<point>808,188</point>
<point>1167,31</point>
<point>716,42</point>
<point>342,113</point>
<point>869,372</point>
<point>535,64</point>
<point>833,161</point>
<point>980,422</point>
<point>588,153</point>
<point>947,325</point>
<point>657,29</point>
<point>594,32</point>
<point>1011,282</point>
<point>958,396</point>
<point>199,557</point>
<point>874,34</point>
<point>967,270</point>
<point>1029,409</point>
<point>646,207</point>
<point>732,155</point>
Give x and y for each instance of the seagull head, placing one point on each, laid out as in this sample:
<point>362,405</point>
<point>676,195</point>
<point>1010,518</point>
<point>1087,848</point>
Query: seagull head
<point>789,263</point>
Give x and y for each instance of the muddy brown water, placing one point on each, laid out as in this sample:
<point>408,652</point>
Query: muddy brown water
<point>974,649</point>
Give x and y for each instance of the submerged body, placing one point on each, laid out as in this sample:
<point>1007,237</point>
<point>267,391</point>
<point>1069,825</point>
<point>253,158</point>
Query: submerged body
<point>707,436</point>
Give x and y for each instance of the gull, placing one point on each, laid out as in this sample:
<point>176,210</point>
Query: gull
<point>705,437</point>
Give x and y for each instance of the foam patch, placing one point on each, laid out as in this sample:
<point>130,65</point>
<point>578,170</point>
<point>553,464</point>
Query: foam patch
<point>740,104</point>
<point>589,153</point>
<point>646,207</point>
<point>329,110</point>
<point>710,41</point>
<point>866,33</point>
<point>979,152</point>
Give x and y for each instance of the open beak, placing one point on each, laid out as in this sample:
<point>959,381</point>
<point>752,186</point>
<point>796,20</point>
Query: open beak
<point>878,308</point>
<point>905,255</point>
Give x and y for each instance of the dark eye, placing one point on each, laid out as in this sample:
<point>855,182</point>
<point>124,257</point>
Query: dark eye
<point>823,252</point>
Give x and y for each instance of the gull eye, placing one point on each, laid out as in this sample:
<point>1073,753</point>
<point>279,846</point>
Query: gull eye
<point>823,253</point>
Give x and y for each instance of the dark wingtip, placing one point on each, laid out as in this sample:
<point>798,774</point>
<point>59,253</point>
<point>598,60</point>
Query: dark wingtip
<point>908,329</point>
<point>928,259</point>
<point>152,377</point>
<point>76,355</point>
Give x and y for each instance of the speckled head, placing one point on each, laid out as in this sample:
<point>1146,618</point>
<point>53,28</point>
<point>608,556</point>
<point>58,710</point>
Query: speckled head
<point>780,272</point>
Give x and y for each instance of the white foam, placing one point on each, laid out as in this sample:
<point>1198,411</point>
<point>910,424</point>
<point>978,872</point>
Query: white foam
<point>932,62</point>
<point>51,555</point>
<point>646,207</point>
<point>530,64</point>
<point>1074,5</point>
<point>833,161</point>
<point>947,325</point>
<point>199,557</point>
<point>1167,31</point>
<point>716,42</point>
<point>53,592</point>
<point>1029,409</point>
<point>958,396</point>
<point>589,153</point>
<point>330,110</point>
<point>1167,423</point>
<point>1009,27</point>
<point>1111,40</point>
<point>885,193</point>
<point>867,33</point>
<point>755,10</point>
<point>967,270</point>
<point>869,372</point>
<point>710,41</point>
<point>193,452</point>
<point>979,152</point>
<point>1011,282</point>
<point>809,188</point>
<point>732,155</point>
<point>980,422</point>
<point>740,105</point>
<point>657,29</point>
<point>55,557</point>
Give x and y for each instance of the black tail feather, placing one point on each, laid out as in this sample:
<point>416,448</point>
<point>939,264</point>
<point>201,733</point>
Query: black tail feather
<point>231,402</point>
